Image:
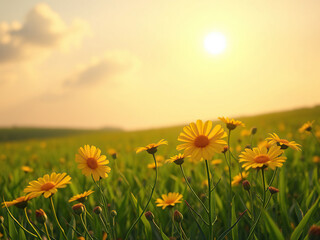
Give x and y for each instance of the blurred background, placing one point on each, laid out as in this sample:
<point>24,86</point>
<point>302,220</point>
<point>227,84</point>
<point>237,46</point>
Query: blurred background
<point>145,64</point>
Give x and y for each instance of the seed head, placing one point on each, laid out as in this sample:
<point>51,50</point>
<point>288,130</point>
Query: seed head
<point>314,232</point>
<point>253,130</point>
<point>113,213</point>
<point>273,190</point>
<point>246,185</point>
<point>149,216</point>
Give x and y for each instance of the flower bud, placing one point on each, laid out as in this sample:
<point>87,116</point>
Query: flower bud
<point>78,208</point>
<point>314,232</point>
<point>97,210</point>
<point>113,213</point>
<point>246,185</point>
<point>225,149</point>
<point>253,130</point>
<point>1,219</point>
<point>273,190</point>
<point>149,216</point>
<point>177,216</point>
<point>41,216</point>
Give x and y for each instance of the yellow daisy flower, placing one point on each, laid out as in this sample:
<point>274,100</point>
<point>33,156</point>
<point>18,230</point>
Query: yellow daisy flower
<point>169,200</point>
<point>201,141</point>
<point>26,169</point>
<point>92,163</point>
<point>262,157</point>
<point>307,127</point>
<point>216,162</point>
<point>20,202</point>
<point>81,197</point>
<point>283,143</point>
<point>265,144</point>
<point>153,165</point>
<point>177,159</point>
<point>47,185</point>
<point>245,133</point>
<point>231,123</point>
<point>316,159</point>
<point>112,152</point>
<point>159,158</point>
<point>239,178</point>
<point>152,147</point>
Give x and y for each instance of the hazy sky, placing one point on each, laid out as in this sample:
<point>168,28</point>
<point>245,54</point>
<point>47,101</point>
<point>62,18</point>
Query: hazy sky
<point>140,64</point>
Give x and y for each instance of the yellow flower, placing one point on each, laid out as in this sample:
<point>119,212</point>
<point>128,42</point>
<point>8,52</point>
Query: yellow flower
<point>26,169</point>
<point>81,197</point>
<point>283,143</point>
<point>177,159</point>
<point>239,178</point>
<point>112,152</point>
<point>306,127</point>
<point>216,162</point>
<point>153,165</point>
<point>245,133</point>
<point>204,183</point>
<point>20,202</point>
<point>262,157</point>
<point>169,200</point>
<point>231,123</point>
<point>92,163</point>
<point>152,147</point>
<point>47,185</point>
<point>201,141</point>
<point>159,158</point>
<point>265,144</point>
<point>316,159</point>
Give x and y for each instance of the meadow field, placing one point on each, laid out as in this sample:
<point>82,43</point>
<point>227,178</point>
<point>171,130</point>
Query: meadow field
<point>286,212</point>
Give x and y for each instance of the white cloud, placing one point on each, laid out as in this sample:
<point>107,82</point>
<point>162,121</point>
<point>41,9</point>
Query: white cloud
<point>42,31</point>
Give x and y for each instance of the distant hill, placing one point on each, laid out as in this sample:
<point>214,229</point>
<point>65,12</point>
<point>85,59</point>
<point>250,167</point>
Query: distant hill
<point>24,133</point>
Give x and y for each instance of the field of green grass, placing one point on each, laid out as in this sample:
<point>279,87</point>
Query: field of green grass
<point>289,215</point>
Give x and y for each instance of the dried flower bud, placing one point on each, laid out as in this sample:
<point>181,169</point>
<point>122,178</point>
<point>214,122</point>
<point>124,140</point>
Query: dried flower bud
<point>78,208</point>
<point>246,185</point>
<point>177,216</point>
<point>41,216</point>
<point>97,210</point>
<point>314,232</point>
<point>273,190</point>
<point>225,149</point>
<point>253,130</point>
<point>149,216</point>
<point>113,213</point>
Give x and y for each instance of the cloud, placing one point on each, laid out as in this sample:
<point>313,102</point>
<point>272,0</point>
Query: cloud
<point>103,69</point>
<point>42,31</point>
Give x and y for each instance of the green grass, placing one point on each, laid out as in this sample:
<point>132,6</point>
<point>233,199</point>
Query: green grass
<point>294,207</point>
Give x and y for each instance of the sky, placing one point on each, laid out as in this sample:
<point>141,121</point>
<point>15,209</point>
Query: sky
<point>142,64</point>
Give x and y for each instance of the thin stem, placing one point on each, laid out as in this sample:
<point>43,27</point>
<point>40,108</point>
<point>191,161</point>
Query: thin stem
<point>154,186</point>
<point>272,179</point>
<point>19,224</point>
<point>230,180</point>
<point>85,227</point>
<point>209,193</point>
<point>104,224</point>
<point>34,229</point>
<point>194,193</point>
<point>252,207</point>
<point>114,228</point>
<point>204,221</point>
<point>56,218</point>
<point>46,229</point>
<point>262,206</point>
<point>183,233</point>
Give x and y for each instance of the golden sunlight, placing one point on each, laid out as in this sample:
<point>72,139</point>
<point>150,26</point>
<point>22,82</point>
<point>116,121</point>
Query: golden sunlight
<point>215,43</point>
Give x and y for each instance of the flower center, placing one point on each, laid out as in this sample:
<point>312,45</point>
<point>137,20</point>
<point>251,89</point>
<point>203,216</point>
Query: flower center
<point>283,141</point>
<point>261,159</point>
<point>201,141</point>
<point>92,163</point>
<point>47,186</point>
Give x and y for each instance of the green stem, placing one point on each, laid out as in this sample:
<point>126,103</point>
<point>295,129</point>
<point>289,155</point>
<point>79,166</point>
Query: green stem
<point>315,137</point>
<point>104,224</point>
<point>209,193</point>
<point>194,193</point>
<point>154,186</point>
<point>46,229</point>
<point>230,181</point>
<point>183,233</point>
<point>17,222</point>
<point>56,218</point>
<point>262,206</point>
<point>252,207</point>
<point>85,227</point>
<point>34,229</point>
<point>114,228</point>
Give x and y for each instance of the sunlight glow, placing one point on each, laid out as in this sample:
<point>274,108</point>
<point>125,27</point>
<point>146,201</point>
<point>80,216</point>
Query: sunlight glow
<point>215,43</point>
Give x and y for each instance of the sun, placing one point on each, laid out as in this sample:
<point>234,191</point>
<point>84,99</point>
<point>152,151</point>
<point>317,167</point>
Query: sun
<point>215,43</point>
